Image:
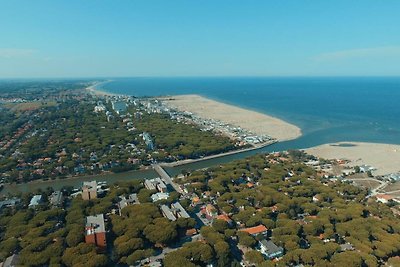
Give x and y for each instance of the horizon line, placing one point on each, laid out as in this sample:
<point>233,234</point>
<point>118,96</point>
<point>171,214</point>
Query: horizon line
<point>196,76</point>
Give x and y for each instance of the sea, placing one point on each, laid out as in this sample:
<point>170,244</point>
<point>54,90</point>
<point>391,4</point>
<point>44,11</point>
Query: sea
<point>327,109</point>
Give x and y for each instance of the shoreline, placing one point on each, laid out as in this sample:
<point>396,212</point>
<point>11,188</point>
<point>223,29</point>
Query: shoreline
<point>92,89</point>
<point>253,121</point>
<point>384,157</point>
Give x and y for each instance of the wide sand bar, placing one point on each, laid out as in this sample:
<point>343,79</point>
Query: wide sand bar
<point>258,123</point>
<point>384,157</point>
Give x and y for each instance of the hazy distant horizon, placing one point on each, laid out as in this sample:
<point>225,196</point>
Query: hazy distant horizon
<point>232,76</point>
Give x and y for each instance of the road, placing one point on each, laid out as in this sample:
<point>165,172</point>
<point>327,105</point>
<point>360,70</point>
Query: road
<point>374,191</point>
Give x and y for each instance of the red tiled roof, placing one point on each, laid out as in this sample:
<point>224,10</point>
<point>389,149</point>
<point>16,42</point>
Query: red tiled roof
<point>383,196</point>
<point>255,230</point>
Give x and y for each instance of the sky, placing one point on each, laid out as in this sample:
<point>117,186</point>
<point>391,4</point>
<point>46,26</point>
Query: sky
<point>129,38</point>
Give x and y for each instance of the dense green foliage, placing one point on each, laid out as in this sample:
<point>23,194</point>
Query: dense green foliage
<point>71,139</point>
<point>310,231</point>
<point>55,236</point>
<point>181,141</point>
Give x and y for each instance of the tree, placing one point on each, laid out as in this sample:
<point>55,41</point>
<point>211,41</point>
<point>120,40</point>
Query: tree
<point>254,257</point>
<point>75,236</point>
<point>220,225</point>
<point>246,240</point>
<point>160,231</point>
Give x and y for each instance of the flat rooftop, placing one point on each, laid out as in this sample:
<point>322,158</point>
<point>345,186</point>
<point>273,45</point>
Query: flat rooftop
<point>95,224</point>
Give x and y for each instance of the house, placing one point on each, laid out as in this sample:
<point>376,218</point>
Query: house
<point>12,261</point>
<point>384,198</point>
<point>36,200</point>
<point>9,203</point>
<point>366,168</point>
<point>89,190</point>
<point>346,247</point>
<point>211,211</point>
<point>95,231</point>
<point>159,196</point>
<point>256,230</point>
<point>56,199</point>
<point>131,200</point>
<point>156,183</point>
<point>269,249</point>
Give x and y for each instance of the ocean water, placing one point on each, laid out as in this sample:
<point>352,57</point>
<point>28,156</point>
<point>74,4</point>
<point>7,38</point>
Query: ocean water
<point>326,109</point>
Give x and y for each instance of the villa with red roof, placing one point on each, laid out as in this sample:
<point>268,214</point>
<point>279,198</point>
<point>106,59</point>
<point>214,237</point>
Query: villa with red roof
<point>256,230</point>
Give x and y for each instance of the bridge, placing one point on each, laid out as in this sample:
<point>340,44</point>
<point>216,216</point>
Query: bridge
<point>166,178</point>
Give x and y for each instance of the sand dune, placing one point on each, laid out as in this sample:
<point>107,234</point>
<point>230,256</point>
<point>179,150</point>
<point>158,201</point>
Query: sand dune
<point>255,122</point>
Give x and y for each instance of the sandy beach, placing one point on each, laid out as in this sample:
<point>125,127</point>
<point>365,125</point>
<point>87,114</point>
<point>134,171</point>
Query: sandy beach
<point>258,123</point>
<point>384,157</point>
<point>95,91</point>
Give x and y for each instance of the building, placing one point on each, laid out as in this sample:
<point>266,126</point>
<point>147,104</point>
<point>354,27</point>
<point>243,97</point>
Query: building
<point>156,183</point>
<point>175,211</point>
<point>119,106</point>
<point>148,141</point>
<point>256,230</point>
<point>56,199</point>
<point>269,249</point>
<point>131,200</point>
<point>346,247</point>
<point>179,211</point>
<point>159,196</point>
<point>211,211</point>
<point>36,200</point>
<point>366,168</point>
<point>167,213</point>
<point>9,203</point>
<point>100,107</point>
<point>12,261</point>
<point>384,198</point>
<point>89,190</point>
<point>95,231</point>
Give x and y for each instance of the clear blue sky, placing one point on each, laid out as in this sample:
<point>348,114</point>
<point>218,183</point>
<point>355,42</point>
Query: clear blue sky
<point>96,38</point>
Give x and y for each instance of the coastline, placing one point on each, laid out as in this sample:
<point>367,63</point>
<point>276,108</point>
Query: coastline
<point>94,90</point>
<point>256,122</point>
<point>384,157</point>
